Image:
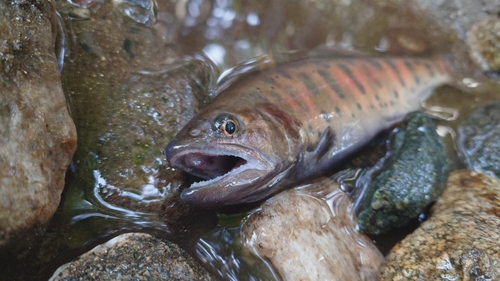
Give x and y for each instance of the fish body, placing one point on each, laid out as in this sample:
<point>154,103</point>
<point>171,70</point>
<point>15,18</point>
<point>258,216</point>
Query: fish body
<point>284,125</point>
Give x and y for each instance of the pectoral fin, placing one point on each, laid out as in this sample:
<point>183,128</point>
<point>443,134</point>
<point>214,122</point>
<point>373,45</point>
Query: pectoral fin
<point>318,152</point>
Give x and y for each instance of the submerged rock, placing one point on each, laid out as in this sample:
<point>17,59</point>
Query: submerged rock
<point>37,135</point>
<point>460,239</point>
<point>308,233</point>
<point>407,180</point>
<point>131,90</point>
<point>152,259</point>
<point>479,139</point>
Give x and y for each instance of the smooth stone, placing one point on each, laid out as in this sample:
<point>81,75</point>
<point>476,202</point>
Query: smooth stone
<point>460,240</point>
<point>309,234</point>
<point>37,135</point>
<point>133,256</point>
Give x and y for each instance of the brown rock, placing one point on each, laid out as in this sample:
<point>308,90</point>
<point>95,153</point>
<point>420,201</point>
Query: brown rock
<point>484,42</point>
<point>37,136</point>
<point>133,256</point>
<point>309,234</point>
<point>460,241</point>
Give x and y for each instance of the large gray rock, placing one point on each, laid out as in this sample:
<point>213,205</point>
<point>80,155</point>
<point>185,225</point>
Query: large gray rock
<point>460,239</point>
<point>133,256</point>
<point>309,234</point>
<point>479,139</point>
<point>37,135</point>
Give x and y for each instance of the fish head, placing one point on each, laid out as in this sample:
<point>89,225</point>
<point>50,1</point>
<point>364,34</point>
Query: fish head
<point>239,155</point>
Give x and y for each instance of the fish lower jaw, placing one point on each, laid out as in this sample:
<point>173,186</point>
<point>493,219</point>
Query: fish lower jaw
<point>234,177</point>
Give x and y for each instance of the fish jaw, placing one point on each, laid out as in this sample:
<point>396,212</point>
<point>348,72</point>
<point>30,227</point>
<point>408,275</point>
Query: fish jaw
<point>230,174</point>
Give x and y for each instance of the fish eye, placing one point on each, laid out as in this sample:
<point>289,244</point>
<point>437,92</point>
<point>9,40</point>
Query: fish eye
<point>230,127</point>
<point>227,125</point>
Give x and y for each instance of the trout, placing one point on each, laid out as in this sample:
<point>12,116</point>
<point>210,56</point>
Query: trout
<point>282,126</point>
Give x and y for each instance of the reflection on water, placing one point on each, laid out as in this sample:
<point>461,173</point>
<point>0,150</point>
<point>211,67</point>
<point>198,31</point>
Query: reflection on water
<point>135,71</point>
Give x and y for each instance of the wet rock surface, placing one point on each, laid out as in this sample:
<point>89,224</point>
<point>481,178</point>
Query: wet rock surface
<point>37,135</point>
<point>474,23</point>
<point>132,87</point>
<point>407,180</point>
<point>484,42</point>
<point>461,14</point>
<point>460,239</point>
<point>130,91</point>
<point>479,139</point>
<point>308,233</point>
<point>133,256</point>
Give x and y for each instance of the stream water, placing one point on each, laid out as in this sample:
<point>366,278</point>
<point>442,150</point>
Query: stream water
<point>135,71</point>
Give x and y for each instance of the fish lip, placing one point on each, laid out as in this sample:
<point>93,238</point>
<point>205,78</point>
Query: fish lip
<point>253,156</point>
<point>234,186</point>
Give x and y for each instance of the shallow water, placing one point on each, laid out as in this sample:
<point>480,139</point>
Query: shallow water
<point>119,60</point>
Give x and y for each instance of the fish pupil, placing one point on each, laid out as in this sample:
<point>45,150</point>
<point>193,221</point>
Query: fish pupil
<point>230,127</point>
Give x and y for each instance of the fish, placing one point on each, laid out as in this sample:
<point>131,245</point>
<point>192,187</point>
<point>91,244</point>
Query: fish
<point>276,128</point>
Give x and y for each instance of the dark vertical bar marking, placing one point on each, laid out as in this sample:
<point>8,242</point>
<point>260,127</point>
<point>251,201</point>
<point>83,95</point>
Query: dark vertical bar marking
<point>285,74</point>
<point>349,74</point>
<point>332,83</point>
<point>412,72</point>
<point>268,80</point>
<point>307,80</point>
<point>375,64</point>
<point>324,64</point>
<point>429,69</point>
<point>395,70</point>
<point>275,95</point>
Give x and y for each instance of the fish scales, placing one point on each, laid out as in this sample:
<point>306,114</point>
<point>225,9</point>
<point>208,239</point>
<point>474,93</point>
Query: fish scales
<point>315,90</point>
<point>292,122</point>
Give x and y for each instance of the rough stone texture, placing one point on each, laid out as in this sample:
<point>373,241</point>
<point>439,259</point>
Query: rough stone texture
<point>407,180</point>
<point>309,234</point>
<point>460,241</point>
<point>479,139</point>
<point>152,259</point>
<point>484,42</point>
<point>37,136</point>
<point>461,14</point>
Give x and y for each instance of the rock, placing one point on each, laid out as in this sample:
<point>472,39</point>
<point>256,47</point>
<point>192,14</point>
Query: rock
<point>308,233</point>
<point>460,239</point>
<point>407,180</point>
<point>484,42</point>
<point>128,104</point>
<point>461,14</point>
<point>37,135</point>
<point>152,259</point>
<point>479,140</point>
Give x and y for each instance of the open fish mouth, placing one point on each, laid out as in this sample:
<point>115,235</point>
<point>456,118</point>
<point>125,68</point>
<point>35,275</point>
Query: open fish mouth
<point>206,166</point>
<point>227,174</point>
<point>216,168</point>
